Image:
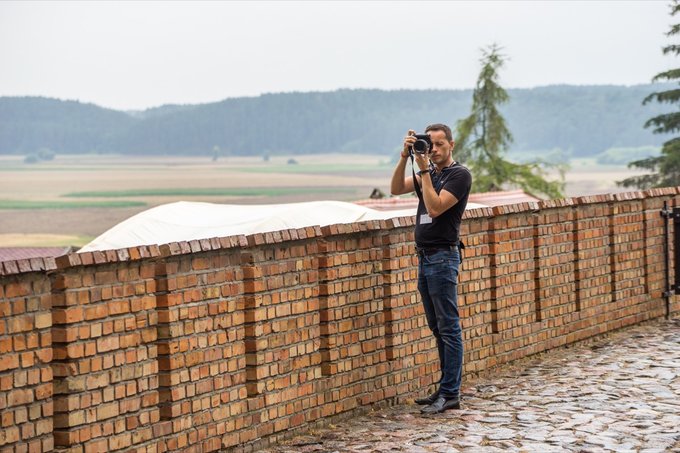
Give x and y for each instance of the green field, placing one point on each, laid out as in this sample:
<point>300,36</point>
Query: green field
<point>43,240</point>
<point>316,168</point>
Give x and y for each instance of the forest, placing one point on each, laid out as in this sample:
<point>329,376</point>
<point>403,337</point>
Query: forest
<point>574,120</point>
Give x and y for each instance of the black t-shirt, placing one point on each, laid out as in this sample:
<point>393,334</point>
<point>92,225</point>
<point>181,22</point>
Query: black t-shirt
<point>444,230</point>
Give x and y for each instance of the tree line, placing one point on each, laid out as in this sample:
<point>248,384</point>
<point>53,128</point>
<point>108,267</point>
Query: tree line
<point>579,120</point>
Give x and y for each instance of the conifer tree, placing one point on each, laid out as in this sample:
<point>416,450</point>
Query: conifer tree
<point>483,139</point>
<point>666,167</point>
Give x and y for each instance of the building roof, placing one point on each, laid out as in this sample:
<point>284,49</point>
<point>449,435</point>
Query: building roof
<point>22,253</point>
<point>476,200</point>
<point>502,198</point>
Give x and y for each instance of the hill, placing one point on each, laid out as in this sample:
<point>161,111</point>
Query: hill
<point>30,123</point>
<point>582,120</point>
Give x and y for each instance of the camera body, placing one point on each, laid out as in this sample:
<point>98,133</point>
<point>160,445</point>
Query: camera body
<point>422,145</point>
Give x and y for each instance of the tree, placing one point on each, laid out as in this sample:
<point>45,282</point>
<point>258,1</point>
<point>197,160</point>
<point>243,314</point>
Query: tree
<point>483,138</point>
<point>666,167</point>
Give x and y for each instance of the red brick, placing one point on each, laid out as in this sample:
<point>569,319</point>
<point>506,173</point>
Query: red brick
<point>19,397</point>
<point>21,324</point>
<point>67,315</point>
<point>9,362</point>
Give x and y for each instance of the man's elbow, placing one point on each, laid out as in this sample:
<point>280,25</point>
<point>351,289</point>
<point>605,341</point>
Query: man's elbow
<point>433,213</point>
<point>398,190</point>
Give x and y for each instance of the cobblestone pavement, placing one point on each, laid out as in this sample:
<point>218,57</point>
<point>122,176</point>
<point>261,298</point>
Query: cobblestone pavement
<point>620,393</point>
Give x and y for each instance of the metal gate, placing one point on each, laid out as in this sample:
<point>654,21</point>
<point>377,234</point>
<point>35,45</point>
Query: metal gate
<point>671,288</point>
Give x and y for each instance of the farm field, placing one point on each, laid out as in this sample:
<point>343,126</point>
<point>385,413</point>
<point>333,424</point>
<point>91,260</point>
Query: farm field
<point>74,198</point>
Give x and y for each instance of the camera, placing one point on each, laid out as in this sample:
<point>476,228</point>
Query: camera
<point>422,145</point>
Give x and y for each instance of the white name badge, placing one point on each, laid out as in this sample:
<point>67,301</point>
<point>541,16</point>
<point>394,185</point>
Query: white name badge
<point>424,218</point>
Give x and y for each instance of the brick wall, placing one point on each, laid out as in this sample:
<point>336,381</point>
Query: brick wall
<point>228,343</point>
<point>105,363</point>
<point>201,346</point>
<point>26,351</point>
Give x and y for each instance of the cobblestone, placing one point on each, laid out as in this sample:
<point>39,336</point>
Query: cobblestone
<point>615,394</point>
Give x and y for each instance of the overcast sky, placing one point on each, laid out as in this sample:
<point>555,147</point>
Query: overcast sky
<point>135,55</point>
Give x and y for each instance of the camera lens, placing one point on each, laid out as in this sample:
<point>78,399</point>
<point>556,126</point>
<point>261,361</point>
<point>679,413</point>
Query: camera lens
<point>421,146</point>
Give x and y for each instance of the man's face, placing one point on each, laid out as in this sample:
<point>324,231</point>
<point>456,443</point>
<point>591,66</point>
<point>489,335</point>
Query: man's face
<point>441,147</point>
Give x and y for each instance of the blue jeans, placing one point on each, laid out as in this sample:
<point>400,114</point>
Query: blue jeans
<point>438,287</point>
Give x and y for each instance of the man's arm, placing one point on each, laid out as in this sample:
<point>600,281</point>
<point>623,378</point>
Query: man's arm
<point>401,184</point>
<point>436,204</point>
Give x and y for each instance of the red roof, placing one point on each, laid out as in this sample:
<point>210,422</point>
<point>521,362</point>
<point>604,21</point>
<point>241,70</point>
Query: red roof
<point>502,198</point>
<point>388,204</point>
<point>486,199</point>
<point>21,253</point>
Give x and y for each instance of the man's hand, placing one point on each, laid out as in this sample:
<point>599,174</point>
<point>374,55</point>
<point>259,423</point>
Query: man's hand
<point>409,140</point>
<point>422,160</point>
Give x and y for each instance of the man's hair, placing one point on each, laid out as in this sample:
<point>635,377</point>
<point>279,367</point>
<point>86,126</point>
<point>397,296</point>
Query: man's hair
<point>440,127</point>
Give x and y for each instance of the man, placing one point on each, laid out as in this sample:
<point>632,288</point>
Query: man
<point>445,186</point>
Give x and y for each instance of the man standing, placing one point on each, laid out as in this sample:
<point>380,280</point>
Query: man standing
<point>445,186</point>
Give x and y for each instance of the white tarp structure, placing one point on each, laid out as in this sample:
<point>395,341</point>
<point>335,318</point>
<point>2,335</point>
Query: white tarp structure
<point>186,221</point>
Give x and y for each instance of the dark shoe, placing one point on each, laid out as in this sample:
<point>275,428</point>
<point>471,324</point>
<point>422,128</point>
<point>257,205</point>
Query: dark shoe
<point>428,399</point>
<point>442,404</point>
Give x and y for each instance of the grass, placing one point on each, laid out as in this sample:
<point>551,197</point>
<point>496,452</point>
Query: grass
<point>298,168</point>
<point>589,162</point>
<point>311,168</point>
<point>69,168</point>
<point>592,164</point>
<point>236,191</point>
<point>25,204</point>
<point>43,240</point>
<point>131,181</point>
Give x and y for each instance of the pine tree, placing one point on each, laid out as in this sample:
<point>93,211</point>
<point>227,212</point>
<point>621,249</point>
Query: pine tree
<point>666,167</point>
<point>483,138</point>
